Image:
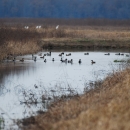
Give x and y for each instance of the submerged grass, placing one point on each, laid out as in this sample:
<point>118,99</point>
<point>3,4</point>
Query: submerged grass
<point>107,106</point>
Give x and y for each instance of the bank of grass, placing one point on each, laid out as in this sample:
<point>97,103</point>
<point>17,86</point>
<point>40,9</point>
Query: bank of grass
<point>18,40</point>
<point>105,107</point>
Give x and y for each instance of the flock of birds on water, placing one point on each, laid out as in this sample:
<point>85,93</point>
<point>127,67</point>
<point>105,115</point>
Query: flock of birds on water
<point>11,57</point>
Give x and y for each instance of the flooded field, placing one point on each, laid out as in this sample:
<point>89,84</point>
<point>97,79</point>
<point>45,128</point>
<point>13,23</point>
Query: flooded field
<point>34,77</point>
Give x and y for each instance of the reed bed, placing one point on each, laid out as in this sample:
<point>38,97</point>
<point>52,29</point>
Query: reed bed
<point>106,106</point>
<point>18,40</point>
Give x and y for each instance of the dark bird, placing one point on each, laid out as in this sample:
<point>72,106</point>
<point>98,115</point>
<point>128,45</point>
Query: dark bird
<point>79,61</point>
<point>93,62</point>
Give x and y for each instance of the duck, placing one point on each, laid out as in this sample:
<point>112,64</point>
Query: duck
<point>86,53</point>
<point>64,60</point>
<point>70,61</point>
<point>93,62</point>
<point>14,59</point>
<point>68,54</point>
<point>45,60</point>
<point>42,57</point>
<point>35,58</point>
<point>49,54</point>
<point>107,54</point>
<point>22,60</point>
<point>79,61</point>
<point>122,54</point>
<point>117,54</point>
<point>53,59</point>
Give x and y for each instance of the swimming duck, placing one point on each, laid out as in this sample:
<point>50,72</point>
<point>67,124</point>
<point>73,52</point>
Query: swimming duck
<point>107,54</point>
<point>53,59</point>
<point>35,58</point>
<point>64,60</point>
<point>22,60</point>
<point>45,60</point>
<point>93,62</point>
<point>68,54</point>
<point>42,57</point>
<point>79,61</point>
<point>86,53</point>
<point>70,61</point>
<point>117,54</point>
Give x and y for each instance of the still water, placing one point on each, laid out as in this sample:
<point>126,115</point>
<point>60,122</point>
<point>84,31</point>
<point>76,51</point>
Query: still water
<point>38,77</point>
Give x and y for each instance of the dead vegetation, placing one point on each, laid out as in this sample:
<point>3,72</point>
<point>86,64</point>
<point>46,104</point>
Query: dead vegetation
<point>104,107</point>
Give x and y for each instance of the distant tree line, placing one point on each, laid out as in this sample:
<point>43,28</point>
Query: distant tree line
<point>111,9</point>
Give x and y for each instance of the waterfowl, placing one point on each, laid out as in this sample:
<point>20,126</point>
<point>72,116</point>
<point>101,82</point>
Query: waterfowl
<point>122,54</point>
<point>53,59</point>
<point>60,54</point>
<point>22,60</point>
<point>79,61</point>
<point>49,54</point>
<point>127,55</point>
<point>86,53</point>
<point>44,54</point>
<point>107,54</point>
<point>93,62</point>
<point>70,61</point>
<point>64,60</point>
<point>35,58</point>
<point>45,60</point>
<point>117,54</point>
<point>61,59</point>
<point>68,54</point>
<point>14,59</point>
<point>42,57</point>
<point>35,86</point>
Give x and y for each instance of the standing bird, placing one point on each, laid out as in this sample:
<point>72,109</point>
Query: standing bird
<point>57,26</point>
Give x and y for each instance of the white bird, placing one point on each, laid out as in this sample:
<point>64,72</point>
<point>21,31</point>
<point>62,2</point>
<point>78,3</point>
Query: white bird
<point>57,26</point>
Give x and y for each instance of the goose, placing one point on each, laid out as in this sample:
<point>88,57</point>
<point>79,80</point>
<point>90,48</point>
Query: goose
<point>93,62</point>
<point>86,53</point>
<point>53,59</point>
<point>107,54</point>
<point>79,61</point>
<point>22,60</point>
<point>45,60</point>
<point>70,61</point>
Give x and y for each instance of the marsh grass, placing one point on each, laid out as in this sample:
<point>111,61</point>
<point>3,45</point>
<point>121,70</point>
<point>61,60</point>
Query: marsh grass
<point>18,40</point>
<point>104,106</point>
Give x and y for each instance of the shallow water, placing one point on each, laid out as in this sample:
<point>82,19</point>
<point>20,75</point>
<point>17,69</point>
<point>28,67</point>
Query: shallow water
<point>15,78</point>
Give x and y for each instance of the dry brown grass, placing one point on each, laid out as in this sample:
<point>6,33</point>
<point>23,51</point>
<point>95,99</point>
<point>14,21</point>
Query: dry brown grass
<point>107,107</point>
<point>16,40</point>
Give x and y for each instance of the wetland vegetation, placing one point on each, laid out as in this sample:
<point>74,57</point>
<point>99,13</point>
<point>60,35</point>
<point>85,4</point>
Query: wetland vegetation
<point>104,104</point>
